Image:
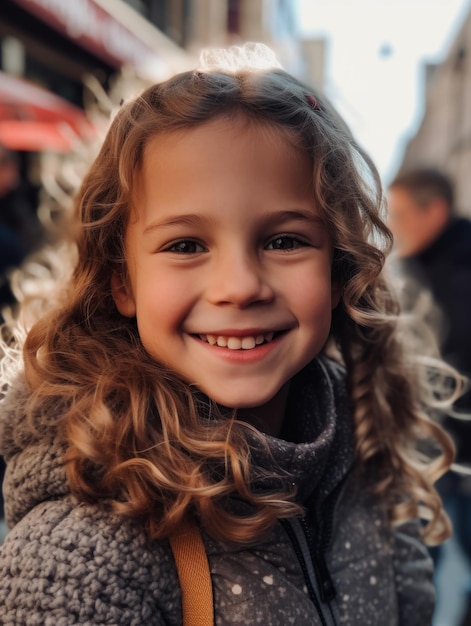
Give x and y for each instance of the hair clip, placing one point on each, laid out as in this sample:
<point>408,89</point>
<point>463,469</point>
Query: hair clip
<point>313,102</point>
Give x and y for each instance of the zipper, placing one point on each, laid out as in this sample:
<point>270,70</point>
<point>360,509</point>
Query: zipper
<point>311,554</point>
<point>324,580</point>
<point>318,546</point>
<point>295,529</point>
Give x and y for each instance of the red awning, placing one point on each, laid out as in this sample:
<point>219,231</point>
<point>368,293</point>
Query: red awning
<point>35,136</point>
<point>32,118</point>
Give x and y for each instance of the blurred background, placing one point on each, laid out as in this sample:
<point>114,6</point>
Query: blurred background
<point>399,71</point>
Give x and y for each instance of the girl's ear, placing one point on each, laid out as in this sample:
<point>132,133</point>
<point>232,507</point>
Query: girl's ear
<point>122,295</point>
<point>335,294</point>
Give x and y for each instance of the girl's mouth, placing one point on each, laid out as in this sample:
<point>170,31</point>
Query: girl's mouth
<point>248,342</point>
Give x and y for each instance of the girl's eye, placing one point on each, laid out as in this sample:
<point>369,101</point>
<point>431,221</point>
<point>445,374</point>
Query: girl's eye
<point>285,242</point>
<point>185,246</point>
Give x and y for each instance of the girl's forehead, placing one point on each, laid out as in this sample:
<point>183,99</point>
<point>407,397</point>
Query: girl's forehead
<point>234,123</point>
<point>224,147</point>
<point>224,152</point>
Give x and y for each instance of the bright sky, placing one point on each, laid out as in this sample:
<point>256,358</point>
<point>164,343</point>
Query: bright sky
<point>375,52</point>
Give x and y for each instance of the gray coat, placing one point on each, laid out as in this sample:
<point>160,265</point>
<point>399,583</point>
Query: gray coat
<point>65,563</point>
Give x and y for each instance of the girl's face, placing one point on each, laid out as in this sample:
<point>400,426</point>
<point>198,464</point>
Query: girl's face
<point>228,261</point>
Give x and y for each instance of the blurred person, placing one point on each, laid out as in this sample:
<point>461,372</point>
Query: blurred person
<point>21,232</point>
<point>12,248</point>
<point>433,248</point>
<point>225,355</point>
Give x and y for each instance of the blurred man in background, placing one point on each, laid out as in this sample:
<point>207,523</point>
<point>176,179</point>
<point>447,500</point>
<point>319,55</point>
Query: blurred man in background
<point>433,247</point>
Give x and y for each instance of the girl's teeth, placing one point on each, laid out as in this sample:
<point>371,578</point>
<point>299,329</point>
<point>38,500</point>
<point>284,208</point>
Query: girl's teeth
<point>248,343</point>
<point>234,343</point>
<point>237,343</point>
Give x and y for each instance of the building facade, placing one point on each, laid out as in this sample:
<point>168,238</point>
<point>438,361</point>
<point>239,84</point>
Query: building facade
<point>444,137</point>
<point>54,43</point>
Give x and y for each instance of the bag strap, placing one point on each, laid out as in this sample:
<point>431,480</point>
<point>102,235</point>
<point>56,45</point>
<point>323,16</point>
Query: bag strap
<point>194,576</point>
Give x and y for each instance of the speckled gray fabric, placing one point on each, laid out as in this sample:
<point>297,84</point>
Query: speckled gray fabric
<point>65,563</point>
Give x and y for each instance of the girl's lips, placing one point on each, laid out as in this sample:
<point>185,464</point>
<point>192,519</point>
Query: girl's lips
<point>242,342</point>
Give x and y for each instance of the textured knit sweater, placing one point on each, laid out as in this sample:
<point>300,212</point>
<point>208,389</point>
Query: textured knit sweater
<point>66,563</point>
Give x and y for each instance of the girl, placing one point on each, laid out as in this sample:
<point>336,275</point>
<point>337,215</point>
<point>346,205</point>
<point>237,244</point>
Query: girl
<point>225,354</point>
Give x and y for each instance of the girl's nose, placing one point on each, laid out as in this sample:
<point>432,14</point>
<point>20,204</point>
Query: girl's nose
<point>239,281</point>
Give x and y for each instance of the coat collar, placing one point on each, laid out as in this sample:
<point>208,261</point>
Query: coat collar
<point>316,448</point>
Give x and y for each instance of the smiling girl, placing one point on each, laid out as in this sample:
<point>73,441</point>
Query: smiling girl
<point>225,355</point>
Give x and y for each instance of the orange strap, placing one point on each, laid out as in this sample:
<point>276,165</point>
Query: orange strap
<point>194,575</point>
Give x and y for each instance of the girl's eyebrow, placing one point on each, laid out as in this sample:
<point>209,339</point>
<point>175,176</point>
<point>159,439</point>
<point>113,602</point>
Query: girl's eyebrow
<point>300,215</point>
<point>275,217</point>
<point>189,219</point>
